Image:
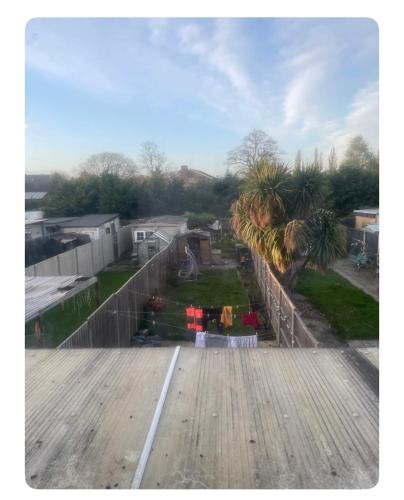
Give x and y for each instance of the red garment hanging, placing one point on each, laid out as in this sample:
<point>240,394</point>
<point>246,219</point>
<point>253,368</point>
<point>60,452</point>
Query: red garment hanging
<point>194,318</point>
<point>251,319</point>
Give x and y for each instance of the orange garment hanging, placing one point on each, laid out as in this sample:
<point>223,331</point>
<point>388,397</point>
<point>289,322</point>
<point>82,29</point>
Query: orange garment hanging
<point>227,316</point>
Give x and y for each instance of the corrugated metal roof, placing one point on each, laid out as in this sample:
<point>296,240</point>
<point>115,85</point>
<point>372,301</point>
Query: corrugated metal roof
<point>233,418</point>
<point>92,220</point>
<point>367,211</point>
<point>35,195</point>
<point>43,293</point>
<point>162,219</point>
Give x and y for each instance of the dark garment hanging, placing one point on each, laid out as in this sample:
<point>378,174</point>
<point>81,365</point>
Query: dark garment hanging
<point>251,319</point>
<point>212,314</point>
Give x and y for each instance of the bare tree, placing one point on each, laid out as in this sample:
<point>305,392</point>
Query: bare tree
<point>257,145</point>
<point>358,153</point>
<point>109,163</point>
<point>332,160</point>
<point>299,159</point>
<point>320,160</point>
<point>152,159</point>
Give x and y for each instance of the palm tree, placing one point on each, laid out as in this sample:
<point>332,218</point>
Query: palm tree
<point>278,216</point>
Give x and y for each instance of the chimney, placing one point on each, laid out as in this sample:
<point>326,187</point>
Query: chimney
<point>184,171</point>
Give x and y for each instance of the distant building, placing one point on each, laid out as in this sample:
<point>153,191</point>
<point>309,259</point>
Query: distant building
<point>35,183</point>
<point>366,216</point>
<point>95,225</point>
<point>190,176</point>
<point>170,225</point>
<point>153,234</point>
<point>35,195</point>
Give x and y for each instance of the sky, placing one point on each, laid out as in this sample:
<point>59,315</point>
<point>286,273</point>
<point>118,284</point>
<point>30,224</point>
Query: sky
<point>196,87</point>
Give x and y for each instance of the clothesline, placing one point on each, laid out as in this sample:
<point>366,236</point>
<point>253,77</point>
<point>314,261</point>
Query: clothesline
<point>186,304</point>
<point>154,322</point>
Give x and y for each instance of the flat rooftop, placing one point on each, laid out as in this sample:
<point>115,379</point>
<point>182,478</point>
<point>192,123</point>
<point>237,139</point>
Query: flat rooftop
<point>233,418</point>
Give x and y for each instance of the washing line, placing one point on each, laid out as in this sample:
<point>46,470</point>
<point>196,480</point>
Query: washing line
<point>187,304</point>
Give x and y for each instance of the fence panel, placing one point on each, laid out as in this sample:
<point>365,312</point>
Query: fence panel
<point>48,267</point>
<point>87,260</point>
<point>68,263</point>
<point>117,319</point>
<point>97,256</point>
<point>84,260</point>
<point>288,325</point>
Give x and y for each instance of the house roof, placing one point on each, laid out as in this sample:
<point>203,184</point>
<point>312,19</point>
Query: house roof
<point>58,220</point>
<point>163,219</point>
<point>35,195</point>
<point>198,233</point>
<point>203,174</point>
<point>367,211</point>
<point>92,220</point>
<point>232,418</point>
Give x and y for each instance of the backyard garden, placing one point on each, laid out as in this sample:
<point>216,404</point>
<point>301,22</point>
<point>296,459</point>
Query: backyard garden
<point>352,313</point>
<point>214,288</point>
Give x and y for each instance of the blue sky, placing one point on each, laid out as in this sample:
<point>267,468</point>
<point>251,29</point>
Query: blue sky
<point>196,87</point>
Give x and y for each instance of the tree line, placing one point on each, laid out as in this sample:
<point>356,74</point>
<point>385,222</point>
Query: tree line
<point>111,182</point>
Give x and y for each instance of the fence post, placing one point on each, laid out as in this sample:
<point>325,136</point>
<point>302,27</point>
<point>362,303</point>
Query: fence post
<point>102,252</point>
<point>117,319</point>
<point>278,333</point>
<point>292,326</point>
<point>90,333</point>
<point>135,302</point>
<point>92,258</point>
<point>76,255</point>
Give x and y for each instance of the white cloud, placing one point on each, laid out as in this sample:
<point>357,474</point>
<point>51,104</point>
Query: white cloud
<point>300,99</point>
<point>362,119</point>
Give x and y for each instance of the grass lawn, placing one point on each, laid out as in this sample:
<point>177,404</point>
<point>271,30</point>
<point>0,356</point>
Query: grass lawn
<point>350,311</point>
<point>213,288</point>
<point>61,321</point>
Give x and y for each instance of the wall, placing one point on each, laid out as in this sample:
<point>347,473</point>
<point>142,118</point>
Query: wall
<point>35,230</point>
<point>85,260</point>
<point>170,229</point>
<point>361,220</point>
<point>93,232</point>
<point>34,214</point>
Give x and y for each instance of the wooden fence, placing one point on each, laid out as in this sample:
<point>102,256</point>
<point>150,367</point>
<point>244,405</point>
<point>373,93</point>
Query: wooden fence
<point>85,260</point>
<point>287,323</point>
<point>118,318</point>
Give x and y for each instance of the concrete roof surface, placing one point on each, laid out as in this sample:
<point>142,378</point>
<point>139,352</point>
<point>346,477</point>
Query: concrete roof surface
<point>92,220</point>
<point>162,219</point>
<point>233,418</point>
